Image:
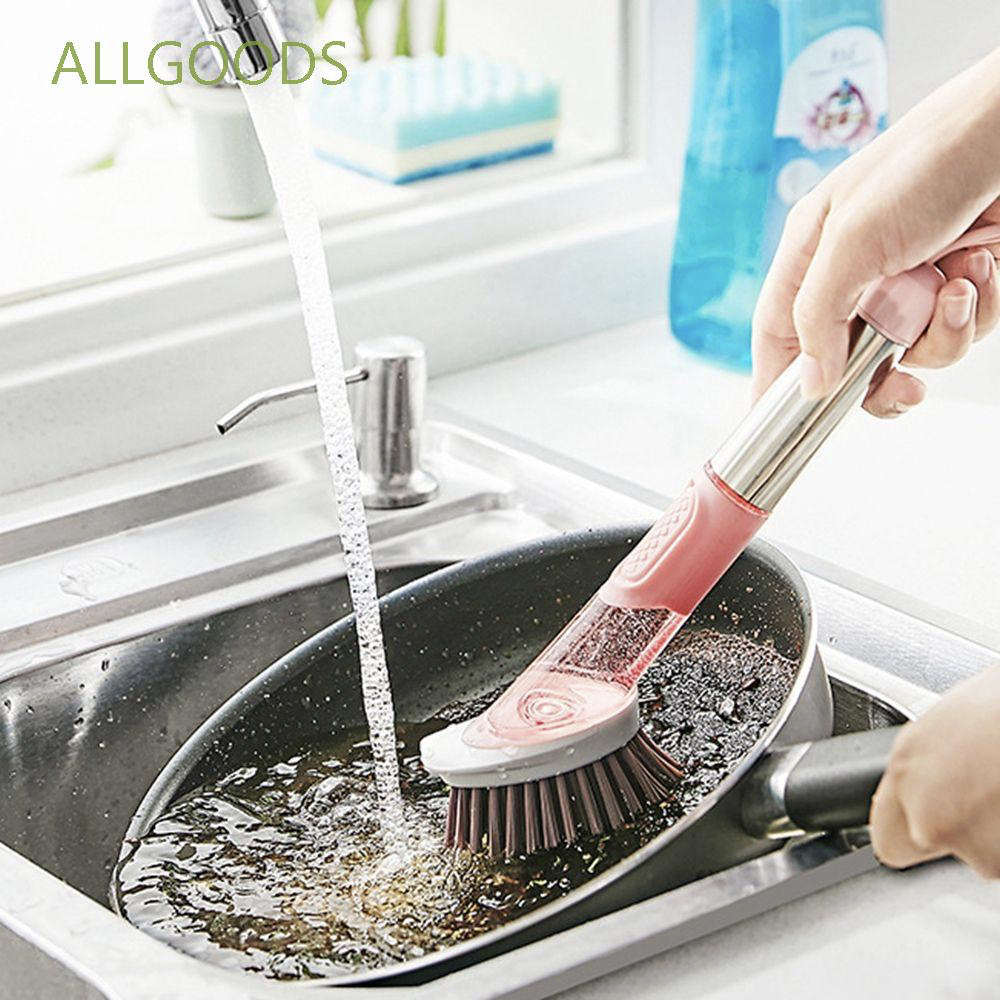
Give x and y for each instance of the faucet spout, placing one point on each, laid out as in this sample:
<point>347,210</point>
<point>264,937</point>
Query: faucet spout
<point>247,31</point>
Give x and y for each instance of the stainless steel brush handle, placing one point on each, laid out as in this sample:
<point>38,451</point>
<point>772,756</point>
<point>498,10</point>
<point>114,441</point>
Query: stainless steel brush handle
<point>773,443</point>
<point>768,450</point>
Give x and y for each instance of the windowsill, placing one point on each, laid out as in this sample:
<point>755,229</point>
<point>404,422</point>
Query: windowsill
<point>111,237</point>
<point>193,313</point>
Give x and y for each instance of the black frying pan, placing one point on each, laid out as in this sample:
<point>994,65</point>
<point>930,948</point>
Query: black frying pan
<point>473,627</point>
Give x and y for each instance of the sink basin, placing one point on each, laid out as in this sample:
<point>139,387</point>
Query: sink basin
<point>137,611</point>
<point>84,738</point>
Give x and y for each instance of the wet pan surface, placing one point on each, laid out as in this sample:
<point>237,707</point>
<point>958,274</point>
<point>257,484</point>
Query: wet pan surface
<point>259,846</point>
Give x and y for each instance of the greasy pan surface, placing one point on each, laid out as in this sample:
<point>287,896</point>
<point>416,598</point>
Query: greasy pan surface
<point>469,629</point>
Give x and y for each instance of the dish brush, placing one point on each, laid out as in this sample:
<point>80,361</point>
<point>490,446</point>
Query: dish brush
<point>561,750</point>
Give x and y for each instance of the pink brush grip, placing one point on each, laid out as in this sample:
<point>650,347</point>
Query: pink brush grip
<point>902,306</point>
<point>587,673</point>
<point>685,553</point>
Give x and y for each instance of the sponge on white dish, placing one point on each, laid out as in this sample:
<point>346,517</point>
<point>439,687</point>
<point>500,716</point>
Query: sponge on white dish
<point>403,119</point>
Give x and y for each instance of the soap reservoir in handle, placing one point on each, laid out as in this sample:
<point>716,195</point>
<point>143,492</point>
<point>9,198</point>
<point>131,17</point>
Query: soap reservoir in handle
<point>587,674</point>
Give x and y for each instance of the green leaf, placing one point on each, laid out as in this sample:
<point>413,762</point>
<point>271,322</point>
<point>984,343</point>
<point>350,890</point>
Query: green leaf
<point>440,31</point>
<point>322,6</point>
<point>361,9</point>
<point>105,162</point>
<point>403,46</point>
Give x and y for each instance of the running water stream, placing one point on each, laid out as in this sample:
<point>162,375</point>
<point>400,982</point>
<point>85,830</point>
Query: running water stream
<point>275,120</point>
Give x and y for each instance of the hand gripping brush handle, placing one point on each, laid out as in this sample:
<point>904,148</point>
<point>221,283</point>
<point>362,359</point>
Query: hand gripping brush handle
<point>562,748</point>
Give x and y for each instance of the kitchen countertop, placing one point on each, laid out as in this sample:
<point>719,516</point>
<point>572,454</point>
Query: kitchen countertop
<point>928,933</point>
<point>908,503</point>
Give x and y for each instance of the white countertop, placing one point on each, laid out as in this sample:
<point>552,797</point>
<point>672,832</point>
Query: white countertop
<point>928,933</point>
<point>909,503</point>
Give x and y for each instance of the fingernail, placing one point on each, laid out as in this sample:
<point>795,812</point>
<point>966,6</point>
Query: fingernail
<point>958,310</point>
<point>981,267</point>
<point>900,408</point>
<point>811,378</point>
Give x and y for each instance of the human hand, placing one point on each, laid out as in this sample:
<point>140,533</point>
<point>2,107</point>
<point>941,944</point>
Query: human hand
<point>941,791</point>
<point>891,206</point>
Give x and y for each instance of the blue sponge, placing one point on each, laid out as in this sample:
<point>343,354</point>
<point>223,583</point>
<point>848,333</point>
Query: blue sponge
<point>403,119</point>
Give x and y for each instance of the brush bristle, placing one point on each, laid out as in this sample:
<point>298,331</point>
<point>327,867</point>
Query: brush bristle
<point>596,798</point>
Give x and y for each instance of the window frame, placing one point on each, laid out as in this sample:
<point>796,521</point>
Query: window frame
<point>477,277</point>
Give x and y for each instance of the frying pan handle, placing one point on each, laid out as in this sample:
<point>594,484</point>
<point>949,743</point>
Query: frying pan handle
<point>811,787</point>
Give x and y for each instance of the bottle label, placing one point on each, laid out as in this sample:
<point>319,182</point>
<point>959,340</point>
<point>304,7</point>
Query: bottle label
<point>834,94</point>
<point>834,98</point>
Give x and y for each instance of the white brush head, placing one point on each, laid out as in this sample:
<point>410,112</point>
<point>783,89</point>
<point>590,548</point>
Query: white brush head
<point>448,755</point>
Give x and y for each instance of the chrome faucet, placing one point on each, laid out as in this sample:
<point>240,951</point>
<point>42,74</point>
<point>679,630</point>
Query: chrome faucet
<point>248,31</point>
<point>388,410</point>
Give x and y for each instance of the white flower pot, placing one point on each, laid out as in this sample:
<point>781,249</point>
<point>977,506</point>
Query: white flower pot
<point>233,181</point>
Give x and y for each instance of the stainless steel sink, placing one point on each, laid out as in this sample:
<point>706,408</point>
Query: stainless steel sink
<point>85,737</point>
<point>135,611</point>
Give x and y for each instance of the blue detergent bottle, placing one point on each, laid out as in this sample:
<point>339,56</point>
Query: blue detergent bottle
<point>783,91</point>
